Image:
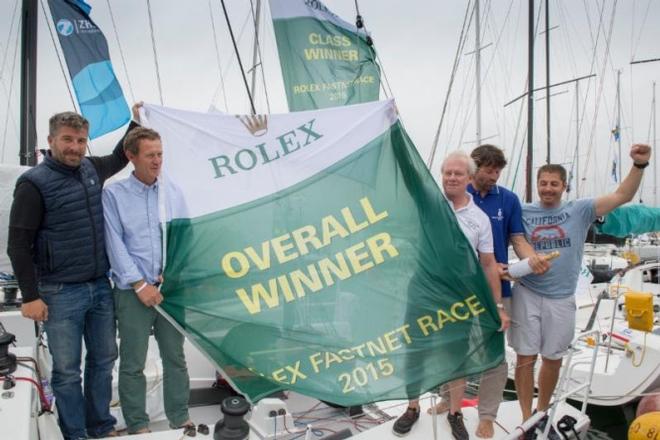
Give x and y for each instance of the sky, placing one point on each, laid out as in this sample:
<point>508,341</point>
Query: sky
<point>416,41</point>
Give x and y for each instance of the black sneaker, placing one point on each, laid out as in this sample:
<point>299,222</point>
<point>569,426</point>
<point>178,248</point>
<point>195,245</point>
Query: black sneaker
<point>457,426</point>
<point>404,424</point>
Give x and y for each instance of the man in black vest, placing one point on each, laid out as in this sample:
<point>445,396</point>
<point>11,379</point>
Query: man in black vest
<point>57,249</point>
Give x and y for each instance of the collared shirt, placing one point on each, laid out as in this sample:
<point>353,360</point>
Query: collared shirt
<point>505,214</point>
<point>475,226</point>
<point>132,231</point>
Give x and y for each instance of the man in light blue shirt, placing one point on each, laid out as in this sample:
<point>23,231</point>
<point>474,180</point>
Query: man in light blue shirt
<point>134,247</point>
<point>543,307</point>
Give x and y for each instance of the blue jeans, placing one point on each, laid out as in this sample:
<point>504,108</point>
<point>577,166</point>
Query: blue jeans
<point>77,311</point>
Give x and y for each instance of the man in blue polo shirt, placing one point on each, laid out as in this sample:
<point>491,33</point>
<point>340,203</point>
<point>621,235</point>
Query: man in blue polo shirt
<point>505,214</point>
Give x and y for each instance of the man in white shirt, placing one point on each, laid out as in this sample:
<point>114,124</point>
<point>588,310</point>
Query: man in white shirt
<point>457,170</point>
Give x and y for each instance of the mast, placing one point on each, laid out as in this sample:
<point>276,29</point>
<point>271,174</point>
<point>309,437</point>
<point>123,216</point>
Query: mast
<point>653,140</point>
<point>577,139</point>
<point>477,27</point>
<point>655,155</point>
<point>530,105</point>
<point>255,48</point>
<point>238,57</point>
<point>618,118</point>
<point>547,76</point>
<point>28,132</point>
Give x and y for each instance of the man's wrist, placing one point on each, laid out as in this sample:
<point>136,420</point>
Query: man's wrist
<point>641,166</point>
<point>499,305</point>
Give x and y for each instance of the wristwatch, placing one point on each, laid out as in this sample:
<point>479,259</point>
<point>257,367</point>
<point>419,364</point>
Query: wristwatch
<point>641,166</point>
<point>500,306</point>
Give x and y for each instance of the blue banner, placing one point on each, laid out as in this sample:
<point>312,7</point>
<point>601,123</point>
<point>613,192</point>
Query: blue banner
<point>86,53</point>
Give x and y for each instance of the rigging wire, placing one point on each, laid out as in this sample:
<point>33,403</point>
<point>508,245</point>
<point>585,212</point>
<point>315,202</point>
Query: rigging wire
<point>493,91</point>
<point>645,16</point>
<point>238,57</point>
<point>571,61</point>
<point>513,44</point>
<point>462,108</point>
<point>59,59</point>
<point>153,47</point>
<point>263,71</point>
<point>600,92</point>
<point>217,57</point>
<point>459,123</point>
<point>9,93</point>
<point>457,57</point>
<point>528,87</point>
<point>594,59</point>
<point>633,53</point>
<point>11,28</point>
<point>385,85</point>
<point>232,55</point>
<point>59,56</point>
<point>492,98</point>
<point>261,60</point>
<point>469,108</point>
<point>121,51</point>
<point>8,114</point>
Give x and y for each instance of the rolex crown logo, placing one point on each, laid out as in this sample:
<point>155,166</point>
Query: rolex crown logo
<point>256,124</point>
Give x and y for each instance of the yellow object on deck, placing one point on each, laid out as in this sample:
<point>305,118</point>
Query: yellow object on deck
<point>645,427</point>
<point>639,310</point>
<point>632,257</point>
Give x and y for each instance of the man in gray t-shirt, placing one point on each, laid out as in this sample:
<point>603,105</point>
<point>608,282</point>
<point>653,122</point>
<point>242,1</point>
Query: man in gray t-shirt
<point>543,306</point>
<point>562,228</point>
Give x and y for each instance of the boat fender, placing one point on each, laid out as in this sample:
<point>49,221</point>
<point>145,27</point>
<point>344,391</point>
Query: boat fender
<point>645,427</point>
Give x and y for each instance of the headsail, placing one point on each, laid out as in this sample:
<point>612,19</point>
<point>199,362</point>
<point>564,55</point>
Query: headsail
<point>326,62</point>
<point>85,49</point>
<point>313,251</point>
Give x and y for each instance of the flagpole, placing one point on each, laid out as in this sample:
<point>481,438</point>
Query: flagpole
<point>530,104</point>
<point>577,139</point>
<point>238,57</point>
<point>28,83</point>
<point>477,28</point>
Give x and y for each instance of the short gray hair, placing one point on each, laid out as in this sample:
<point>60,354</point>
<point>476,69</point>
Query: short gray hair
<point>461,155</point>
<point>67,119</point>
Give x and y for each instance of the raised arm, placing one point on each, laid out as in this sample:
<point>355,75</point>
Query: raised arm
<point>107,166</point>
<point>640,154</point>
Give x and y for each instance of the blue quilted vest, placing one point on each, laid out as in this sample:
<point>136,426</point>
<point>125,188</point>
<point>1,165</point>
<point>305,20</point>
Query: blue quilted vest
<point>70,245</point>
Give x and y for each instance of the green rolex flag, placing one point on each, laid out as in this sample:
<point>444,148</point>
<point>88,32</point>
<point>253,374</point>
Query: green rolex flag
<point>313,251</point>
<point>326,62</point>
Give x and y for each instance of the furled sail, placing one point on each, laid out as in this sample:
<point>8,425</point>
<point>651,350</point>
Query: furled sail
<point>85,50</point>
<point>630,220</point>
<point>326,62</point>
<point>313,251</point>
